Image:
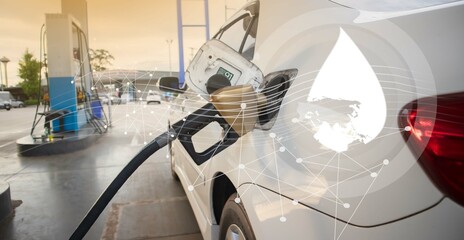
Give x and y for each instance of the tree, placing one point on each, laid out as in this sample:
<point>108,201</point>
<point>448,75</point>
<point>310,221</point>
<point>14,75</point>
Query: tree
<point>100,58</point>
<point>29,69</point>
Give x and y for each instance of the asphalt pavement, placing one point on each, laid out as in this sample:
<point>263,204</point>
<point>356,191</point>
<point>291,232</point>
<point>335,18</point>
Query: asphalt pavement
<point>53,193</point>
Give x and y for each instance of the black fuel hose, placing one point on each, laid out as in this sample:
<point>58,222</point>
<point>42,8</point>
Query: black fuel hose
<point>117,183</point>
<point>183,128</point>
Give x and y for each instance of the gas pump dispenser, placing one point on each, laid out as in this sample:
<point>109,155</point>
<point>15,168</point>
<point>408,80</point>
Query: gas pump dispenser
<point>73,98</point>
<point>72,109</point>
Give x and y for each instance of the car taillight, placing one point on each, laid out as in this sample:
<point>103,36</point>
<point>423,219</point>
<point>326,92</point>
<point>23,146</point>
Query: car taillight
<point>434,130</point>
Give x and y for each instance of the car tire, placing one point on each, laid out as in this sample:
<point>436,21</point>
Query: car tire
<point>21,105</point>
<point>234,222</point>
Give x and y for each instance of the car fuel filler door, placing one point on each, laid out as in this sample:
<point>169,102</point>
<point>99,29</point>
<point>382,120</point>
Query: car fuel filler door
<point>214,58</point>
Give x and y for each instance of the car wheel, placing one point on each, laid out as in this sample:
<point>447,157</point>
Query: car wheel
<point>21,105</point>
<point>8,108</point>
<point>234,221</point>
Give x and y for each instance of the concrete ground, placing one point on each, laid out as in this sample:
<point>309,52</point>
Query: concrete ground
<point>52,193</point>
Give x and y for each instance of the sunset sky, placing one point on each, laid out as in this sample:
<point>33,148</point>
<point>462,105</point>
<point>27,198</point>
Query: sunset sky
<point>134,32</point>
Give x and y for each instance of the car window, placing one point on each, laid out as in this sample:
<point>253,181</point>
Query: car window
<point>233,35</point>
<point>248,49</point>
<point>240,32</point>
<point>241,35</point>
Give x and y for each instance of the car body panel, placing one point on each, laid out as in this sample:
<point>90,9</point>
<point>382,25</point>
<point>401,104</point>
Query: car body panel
<point>194,175</point>
<point>307,47</point>
<point>301,222</point>
<point>376,180</point>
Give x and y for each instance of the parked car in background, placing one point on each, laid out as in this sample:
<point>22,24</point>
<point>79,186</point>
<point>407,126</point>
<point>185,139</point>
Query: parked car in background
<point>360,123</point>
<point>17,103</point>
<point>5,105</point>
<point>106,98</point>
<point>153,97</point>
<point>5,102</point>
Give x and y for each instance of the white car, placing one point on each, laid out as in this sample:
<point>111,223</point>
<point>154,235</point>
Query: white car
<point>5,100</point>
<point>5,105</point>
<point>361,133</point>
<point>153,97</point>
<point>105,98</point>
<point>17,103</point>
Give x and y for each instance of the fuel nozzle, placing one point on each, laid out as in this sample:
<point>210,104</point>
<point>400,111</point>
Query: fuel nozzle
<point>238,105</point>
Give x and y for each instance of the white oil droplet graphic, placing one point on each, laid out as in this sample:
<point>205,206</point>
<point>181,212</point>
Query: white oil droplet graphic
<point>346,102</point>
